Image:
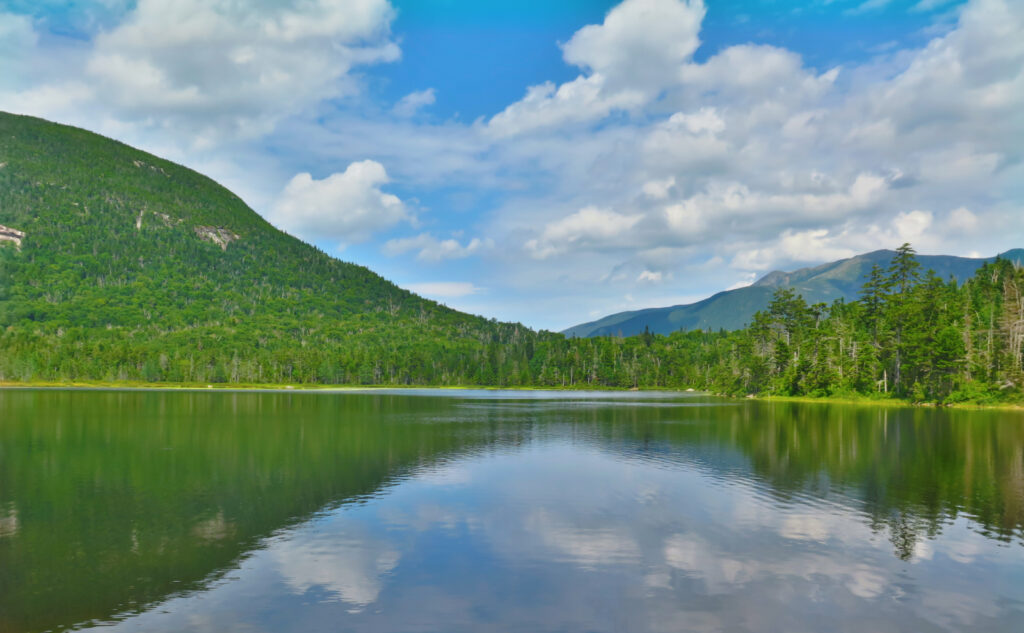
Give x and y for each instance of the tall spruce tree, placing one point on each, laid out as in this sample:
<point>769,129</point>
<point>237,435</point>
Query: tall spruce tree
<point>903,273</point>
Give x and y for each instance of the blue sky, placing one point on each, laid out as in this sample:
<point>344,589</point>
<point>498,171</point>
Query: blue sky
<point>553,162</point>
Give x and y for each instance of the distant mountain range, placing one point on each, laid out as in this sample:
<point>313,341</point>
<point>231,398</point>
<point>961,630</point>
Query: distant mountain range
<point>733,309</point>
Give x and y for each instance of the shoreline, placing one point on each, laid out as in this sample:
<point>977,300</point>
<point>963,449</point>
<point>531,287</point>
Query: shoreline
<point>308,388</point>
<point>891,403</point>
<point>129,385</point>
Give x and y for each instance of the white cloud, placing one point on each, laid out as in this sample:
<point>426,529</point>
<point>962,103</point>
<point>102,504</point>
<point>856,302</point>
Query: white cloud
<point>217,69</point>
<point>685,218</point>
<point>411,103</point>
<point>960,164</point>
<point>704,120</point>
<point>812,246</point>
<point>822,245</point>
<point>687,144</point>
<point>587,228</point>
<point>652,276</point>
<point>962,221</point>
<point>546,106</point>
<point>751,74</point>
<point>346,207</point>
<point>728,200</point>
<point>912,225</point>
<point>640,44</point>
<point>444,289</point>
<point>659,189</point>
<point>748,280</point>
<point>432,249</point>
<point>629,59</point>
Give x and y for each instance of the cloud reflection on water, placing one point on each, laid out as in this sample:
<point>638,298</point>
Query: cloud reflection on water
<point>569,529</point>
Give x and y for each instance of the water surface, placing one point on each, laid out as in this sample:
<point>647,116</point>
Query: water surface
<point>504,511</point>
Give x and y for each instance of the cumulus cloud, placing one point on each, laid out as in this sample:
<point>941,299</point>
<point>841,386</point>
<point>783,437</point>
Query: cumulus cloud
<point>912,225</point>
<point>751,74</point>
<point>628,61</point>
<point>546,106</point>
<point>641,43</point>
<point>962,221</point>
<point>433,249</point>
<point>589,227</point>
<point>821,244</point>
<point>723,201</point>
<point>225,70</point>
<point>346,207</point>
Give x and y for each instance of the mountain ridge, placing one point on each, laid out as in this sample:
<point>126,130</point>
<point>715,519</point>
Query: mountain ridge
<point>733,309</point>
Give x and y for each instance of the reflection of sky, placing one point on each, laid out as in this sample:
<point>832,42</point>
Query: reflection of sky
<point>559,536</point>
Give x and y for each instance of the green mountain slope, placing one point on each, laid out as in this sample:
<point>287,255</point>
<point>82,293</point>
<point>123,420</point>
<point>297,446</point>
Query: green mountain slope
<point>734,309</point>
<point>132,234</point>
<point>117,264</point>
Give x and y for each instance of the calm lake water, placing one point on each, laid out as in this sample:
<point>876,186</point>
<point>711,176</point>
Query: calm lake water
<point>504,511</point>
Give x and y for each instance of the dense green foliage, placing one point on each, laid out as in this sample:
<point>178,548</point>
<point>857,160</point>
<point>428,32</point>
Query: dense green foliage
<point>735,309</point>
<point>911,335</point>
<point>118,278</point>
<point>134,268</point>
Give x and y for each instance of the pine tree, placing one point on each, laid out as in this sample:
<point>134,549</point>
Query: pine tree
<point>902,275</point>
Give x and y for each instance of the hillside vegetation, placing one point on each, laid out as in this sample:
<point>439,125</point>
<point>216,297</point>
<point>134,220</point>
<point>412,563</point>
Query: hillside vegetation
<point>734,309</point>
<point>122,266</point>
<point>910,334</point>
<point>116,265</point>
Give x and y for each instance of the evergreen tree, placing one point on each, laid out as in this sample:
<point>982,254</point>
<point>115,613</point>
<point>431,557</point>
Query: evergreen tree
<point>902,275</point>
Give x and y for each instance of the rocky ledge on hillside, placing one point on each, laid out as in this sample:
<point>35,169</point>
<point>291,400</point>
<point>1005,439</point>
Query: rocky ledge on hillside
<point>8,234</point>
<point>220,237</point>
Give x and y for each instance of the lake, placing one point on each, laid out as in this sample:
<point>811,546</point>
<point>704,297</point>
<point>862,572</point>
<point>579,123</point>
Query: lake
<point>504,511</point>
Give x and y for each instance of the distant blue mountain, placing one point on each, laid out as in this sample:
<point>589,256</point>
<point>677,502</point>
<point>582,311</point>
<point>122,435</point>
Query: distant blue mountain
<point>734,309</point>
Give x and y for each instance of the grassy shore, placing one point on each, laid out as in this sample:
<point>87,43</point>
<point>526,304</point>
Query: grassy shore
<point>854,399</point>
<point>847,399</point>
<point>130,384</point>
<point>891,402</point>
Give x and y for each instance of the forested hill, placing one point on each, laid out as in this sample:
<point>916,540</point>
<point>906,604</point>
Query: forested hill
<point>111,258</point>
<point>734,309</point>
<point>116,265</point>
<point>117,237</point>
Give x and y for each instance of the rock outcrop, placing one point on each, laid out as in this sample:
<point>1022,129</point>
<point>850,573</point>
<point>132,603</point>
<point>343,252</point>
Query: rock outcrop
<point>8,234</point>
<point>220,237</point>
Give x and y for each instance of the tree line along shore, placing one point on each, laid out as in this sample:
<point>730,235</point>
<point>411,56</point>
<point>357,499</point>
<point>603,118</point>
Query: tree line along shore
<point>910,336</point>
